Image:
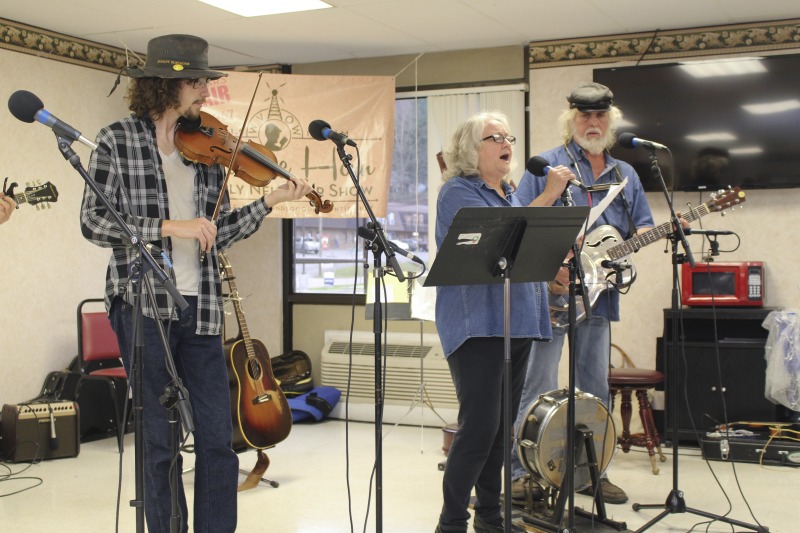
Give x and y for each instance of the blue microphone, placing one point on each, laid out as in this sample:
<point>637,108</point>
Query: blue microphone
<point>321,130</point>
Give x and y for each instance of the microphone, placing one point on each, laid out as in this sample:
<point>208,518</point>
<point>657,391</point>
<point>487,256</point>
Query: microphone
<point>27,107</point>
<point>629,140</point>
<point>153,249</point>
<point>53,438</point>
<point>371,235</point>
<point>539,166</point>
<point>691,231</point>
<point>616,265</point>
<point>321,130</point>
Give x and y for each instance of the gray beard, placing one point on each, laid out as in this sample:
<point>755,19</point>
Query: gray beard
<point>593,146</point>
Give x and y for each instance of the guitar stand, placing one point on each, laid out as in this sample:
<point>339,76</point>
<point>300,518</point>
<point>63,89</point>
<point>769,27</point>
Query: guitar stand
<point>584,437</point>
<point>254,477</point>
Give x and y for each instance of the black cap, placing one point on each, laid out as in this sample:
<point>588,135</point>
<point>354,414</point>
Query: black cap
<point>591,96</point>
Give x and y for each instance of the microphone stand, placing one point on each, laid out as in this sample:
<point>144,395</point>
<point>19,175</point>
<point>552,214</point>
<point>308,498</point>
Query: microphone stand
<point>143,263</point>
<point>379,246</point>
<point>675,502</point>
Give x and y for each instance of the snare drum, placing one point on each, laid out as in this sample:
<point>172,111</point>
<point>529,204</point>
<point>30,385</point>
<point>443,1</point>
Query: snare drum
<point>542,437</point>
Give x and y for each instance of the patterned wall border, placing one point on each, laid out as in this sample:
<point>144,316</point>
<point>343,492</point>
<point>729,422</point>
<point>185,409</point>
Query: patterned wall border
<point>755,37</point>
<point>51,45</point>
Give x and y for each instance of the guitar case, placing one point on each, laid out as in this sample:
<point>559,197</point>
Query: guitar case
<point>293,372</point>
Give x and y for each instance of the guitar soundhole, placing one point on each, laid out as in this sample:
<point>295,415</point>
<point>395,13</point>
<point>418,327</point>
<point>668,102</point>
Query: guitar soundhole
<point>255,370</point>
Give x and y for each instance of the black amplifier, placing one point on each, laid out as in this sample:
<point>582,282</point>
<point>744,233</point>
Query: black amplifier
<point>40,430</point>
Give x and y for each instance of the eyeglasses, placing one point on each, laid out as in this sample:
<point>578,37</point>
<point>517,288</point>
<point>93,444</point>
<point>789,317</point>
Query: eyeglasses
<point>197,83</point>
<point>499,139</point>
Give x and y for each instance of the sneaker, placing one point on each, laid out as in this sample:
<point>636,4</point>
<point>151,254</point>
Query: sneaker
<point>611,493</point>
<point>521,486</point>
<point>493,527</point>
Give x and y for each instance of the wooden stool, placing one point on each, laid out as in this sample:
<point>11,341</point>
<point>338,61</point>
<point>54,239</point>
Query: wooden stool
<point>627,380</point>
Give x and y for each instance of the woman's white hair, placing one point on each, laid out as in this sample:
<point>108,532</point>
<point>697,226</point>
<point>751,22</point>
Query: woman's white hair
<point>566,125</point>
<point>461,157</point>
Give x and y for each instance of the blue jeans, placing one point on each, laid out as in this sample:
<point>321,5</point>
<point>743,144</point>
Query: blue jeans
<point>475,458</point>
<point>592,351</point>
<point>200,364</point>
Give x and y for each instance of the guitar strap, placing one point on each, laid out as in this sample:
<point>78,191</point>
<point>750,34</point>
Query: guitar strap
<point>625,205</point>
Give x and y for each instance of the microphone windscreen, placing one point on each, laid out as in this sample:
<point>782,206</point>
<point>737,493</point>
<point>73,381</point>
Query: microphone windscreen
<point>366,234</point>
<point>24,105</point>
<point>626,140</point>
<point>316,127</point>
<point>536,165</point>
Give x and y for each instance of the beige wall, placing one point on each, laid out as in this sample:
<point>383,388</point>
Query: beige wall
<point>440,68</point>
<point>47,266</point>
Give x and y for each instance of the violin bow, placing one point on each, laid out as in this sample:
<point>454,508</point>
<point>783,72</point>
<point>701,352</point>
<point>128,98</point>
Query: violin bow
<point>236,151</point>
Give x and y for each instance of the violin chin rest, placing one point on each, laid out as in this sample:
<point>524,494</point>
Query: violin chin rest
<point>188,124</point>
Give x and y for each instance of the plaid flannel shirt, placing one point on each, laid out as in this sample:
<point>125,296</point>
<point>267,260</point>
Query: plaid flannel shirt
<point>133,181</point>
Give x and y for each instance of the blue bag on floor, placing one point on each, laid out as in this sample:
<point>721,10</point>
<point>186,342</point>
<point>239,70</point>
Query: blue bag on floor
<point>316,404</point>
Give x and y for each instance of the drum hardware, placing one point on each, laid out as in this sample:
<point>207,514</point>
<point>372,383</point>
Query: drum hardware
<point>541,445</point>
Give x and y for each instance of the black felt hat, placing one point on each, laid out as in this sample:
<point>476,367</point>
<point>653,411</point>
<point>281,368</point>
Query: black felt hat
<point>591,96</point>
<point>176,56</point>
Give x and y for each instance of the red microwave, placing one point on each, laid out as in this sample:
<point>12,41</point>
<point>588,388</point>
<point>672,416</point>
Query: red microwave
<point>735,284</point>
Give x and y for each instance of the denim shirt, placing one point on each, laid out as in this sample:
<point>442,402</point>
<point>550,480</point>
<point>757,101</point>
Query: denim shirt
<point>464,311</point>
<point>531,186</point>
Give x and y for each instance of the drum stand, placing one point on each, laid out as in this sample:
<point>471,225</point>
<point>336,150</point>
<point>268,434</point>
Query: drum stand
<point>577,436</point>
<point>585,439</point>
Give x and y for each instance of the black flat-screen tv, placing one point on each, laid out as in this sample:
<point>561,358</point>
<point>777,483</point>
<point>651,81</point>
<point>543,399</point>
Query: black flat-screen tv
<point>726,122</point>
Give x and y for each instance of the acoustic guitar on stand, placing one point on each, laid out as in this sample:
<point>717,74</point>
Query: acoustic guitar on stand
<point>262,411</point>
<point>605,242</point>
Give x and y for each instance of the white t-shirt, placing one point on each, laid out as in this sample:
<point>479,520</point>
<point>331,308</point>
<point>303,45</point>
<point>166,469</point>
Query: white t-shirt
<point>185,252</point>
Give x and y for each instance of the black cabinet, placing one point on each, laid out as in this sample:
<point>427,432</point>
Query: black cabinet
<point>720,370</point>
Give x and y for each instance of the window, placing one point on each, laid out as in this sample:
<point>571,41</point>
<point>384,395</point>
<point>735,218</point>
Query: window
<point>327,253</point>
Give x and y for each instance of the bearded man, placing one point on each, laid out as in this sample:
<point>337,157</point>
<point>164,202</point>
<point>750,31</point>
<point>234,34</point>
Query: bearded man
<point>588,129</point>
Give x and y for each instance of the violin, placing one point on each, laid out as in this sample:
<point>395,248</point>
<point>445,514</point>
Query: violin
<point>208,141</point>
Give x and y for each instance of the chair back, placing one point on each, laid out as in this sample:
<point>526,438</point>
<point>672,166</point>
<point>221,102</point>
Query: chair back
<point>97,342</point>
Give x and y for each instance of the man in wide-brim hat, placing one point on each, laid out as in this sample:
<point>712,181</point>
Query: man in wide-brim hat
<point>171,203</point>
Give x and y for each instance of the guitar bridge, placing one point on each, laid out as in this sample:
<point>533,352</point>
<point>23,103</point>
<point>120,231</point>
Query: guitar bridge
<point>263,398</point>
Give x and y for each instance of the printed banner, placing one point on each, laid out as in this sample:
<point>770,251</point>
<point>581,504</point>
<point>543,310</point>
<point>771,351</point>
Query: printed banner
<point>361,107</point>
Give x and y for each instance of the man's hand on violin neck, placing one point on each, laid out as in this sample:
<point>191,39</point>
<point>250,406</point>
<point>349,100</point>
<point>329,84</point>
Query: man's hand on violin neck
<point>201,229</point>
<point>293,189</point>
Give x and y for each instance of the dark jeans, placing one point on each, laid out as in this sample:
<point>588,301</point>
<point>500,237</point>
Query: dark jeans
<point>200,363</point>
<point>475,458</point>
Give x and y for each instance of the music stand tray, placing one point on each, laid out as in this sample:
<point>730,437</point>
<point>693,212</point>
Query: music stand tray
<point>537,238</point>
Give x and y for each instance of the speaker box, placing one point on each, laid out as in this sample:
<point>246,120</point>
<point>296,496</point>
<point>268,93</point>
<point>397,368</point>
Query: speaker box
<point>28,429</point>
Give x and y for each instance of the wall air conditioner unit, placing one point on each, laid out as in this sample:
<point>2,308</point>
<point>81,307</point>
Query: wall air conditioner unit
<point>403,355</point>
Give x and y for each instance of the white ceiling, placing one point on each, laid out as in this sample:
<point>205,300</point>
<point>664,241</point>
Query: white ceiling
<point>373,28</point>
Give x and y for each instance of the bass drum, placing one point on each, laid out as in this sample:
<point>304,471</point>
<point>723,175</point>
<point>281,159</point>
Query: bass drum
<point>542,437</point>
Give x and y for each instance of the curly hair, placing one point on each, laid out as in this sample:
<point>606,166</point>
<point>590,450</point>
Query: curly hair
<point>462,156</point>
<point>152,96</point>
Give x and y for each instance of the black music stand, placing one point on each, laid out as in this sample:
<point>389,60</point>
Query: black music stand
<point>482,247</point>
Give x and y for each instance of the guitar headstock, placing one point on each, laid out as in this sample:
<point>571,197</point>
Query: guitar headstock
<point>725,199</point>
<point>41,194</point>
<point>225,266</point>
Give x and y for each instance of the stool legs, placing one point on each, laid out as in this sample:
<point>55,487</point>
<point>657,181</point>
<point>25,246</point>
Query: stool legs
<point>650,439</point>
